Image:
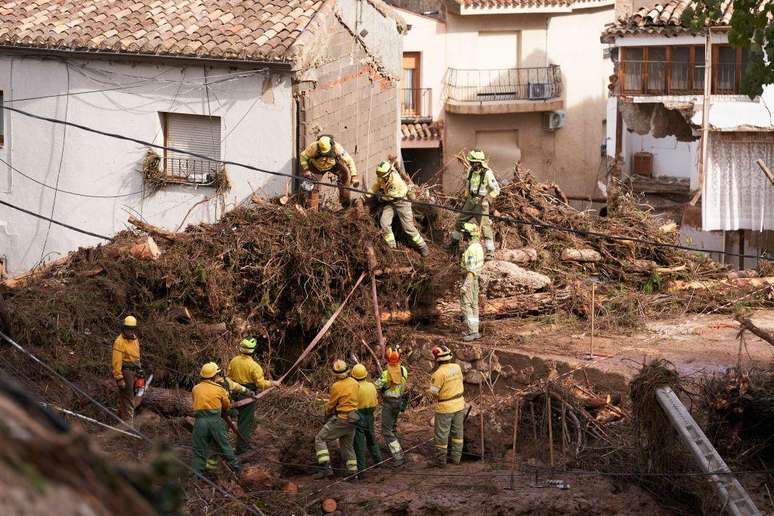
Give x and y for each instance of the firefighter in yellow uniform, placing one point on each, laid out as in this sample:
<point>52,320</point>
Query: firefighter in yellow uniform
<point>393,190</point>
<point>447,388</point>
<point>244,370</point>
<point>210,400</point>
<point>341,412</point>
<point>326,156</point>
<point>481,189</point>
<point>126,366</point>
<point>365,434</point>
<point>472,263</point>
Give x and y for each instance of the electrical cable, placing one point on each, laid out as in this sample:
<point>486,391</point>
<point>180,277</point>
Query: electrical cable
<point>54,221</point>
<point>252,509</point>
<point>61,163</point>
<point>509,220</point>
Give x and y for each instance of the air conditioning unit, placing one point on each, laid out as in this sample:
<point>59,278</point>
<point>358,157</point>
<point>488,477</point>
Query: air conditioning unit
<point>538,90</point>
<point>553,120</point>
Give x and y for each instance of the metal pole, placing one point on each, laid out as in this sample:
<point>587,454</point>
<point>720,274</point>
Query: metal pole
<point>481,416</point>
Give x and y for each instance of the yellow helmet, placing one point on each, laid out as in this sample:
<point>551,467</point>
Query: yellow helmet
<point>340,369</point>
<point>247,346</point>
<point>209,370</point>
<point>325,144</point>
<point>476,156</point>
<point>359,372</point>
<point>130,321</point>
<point>383,169</point>
<point>471,229</point>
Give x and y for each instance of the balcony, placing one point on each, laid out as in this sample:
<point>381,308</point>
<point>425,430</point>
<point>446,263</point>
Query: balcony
<point>191,171</point>
<point>509,90</point>
<point>416,104</point>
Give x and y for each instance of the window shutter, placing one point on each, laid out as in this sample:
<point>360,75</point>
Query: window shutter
<point>199,134</point>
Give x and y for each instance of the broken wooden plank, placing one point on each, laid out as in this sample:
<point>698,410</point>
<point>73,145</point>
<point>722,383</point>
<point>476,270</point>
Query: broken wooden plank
<point>581,255</point>
<point>157,231</point>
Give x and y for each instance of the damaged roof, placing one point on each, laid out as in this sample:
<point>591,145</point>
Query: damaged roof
<point>249,30</point>
<point>660,19</point>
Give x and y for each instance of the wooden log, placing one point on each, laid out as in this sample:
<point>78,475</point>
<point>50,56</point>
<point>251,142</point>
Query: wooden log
<point>746,324</point>
<point>723,283</point>
<point>157,231</point>
<point>524,255</point>
<point>144,248</point>
<point>581,255</point>
<point>168,402</point>
<point>23,279</point>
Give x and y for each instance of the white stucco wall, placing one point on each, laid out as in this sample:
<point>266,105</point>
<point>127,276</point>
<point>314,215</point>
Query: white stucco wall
<point>671,158</point>
<point>428,36</point>
<point>257,128</point>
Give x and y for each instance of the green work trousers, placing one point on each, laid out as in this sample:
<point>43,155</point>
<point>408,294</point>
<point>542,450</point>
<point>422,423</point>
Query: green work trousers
<point>342,430</point>
<point>365,439</point>
<point>480,213</point>
<point>390,413</point>
<point>245,423</point>
<point>469,302</point>
<point>406,216</point>
<point>446,424</point>
<point>209,431</point>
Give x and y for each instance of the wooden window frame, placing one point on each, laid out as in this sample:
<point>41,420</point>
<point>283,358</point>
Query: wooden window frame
<point>716,69</point>
<point>416,79</point>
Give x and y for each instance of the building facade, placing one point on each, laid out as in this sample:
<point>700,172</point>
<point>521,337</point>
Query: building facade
<point>253,85</point>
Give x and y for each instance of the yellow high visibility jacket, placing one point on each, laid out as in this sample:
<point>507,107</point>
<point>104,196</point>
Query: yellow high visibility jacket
<point>482,183</point>
<point>312,156</point>
<point>366,395</point>
<point>446,385</point>
<point>125,352</point>
<point>393,188</point>
<point>390,389</point>
<point>208,395</point>
<point>473,258</point>
<point>343,397</point>
<point>234,387</point>
<point>243,369</point>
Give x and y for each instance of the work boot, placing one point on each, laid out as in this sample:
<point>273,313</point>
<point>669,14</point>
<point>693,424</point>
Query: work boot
<point>435,464</point>
<point>424,251</point>
<point>355,478</point>
<point>326,471</point>
<point>471,337</point>
<point>399,462</point>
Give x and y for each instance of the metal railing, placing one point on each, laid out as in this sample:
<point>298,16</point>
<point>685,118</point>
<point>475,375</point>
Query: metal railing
<point>191,170</point>
<point>416,103</point>
<point>537,83</point>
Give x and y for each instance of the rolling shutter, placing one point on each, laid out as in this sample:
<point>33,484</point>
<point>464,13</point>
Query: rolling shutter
<point>194,133</point>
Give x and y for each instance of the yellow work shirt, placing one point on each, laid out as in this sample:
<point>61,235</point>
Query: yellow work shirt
<point>325,163</point>
<point>446,386</point>
<point>366,396</point>
<point>393,188</point>
<point>473,258</point>
<point>243,369</point>
<point>235,387</point>
<point>208,395</point>
<point>343,397</point>
<point>125,352</point>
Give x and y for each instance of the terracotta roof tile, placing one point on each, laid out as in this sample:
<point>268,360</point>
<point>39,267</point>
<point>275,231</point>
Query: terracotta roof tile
<point>512,3</point>
<point>243,29</point>
<point>661,19</point>
<point>420,131</point>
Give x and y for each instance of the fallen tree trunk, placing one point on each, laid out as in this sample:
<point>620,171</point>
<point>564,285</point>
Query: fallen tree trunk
<point>746,324</point>
<point>168,402</point>
<point>677,285</point>
<point>581,255</point>
<point>156,231</point>
<point>142,249</point>
<point>524,255</point>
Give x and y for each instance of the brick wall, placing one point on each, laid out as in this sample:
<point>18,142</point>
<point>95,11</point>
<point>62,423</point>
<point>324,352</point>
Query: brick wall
<point>351,100</point>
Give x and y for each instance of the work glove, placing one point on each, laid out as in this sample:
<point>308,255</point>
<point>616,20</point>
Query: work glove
<point>121,383</point>
<point>250,393</point>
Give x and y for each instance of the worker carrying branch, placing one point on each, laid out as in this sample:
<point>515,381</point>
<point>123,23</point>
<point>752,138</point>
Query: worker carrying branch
<point>481,189</point>
<point>472,263</point>
<point>342,419</point>
<point>447,388</point>
<point>326,156</point>
<point>210,405</point>
<point>392,383</point>
<point>365,434</point>
<point>126,366</point>
<point>390,191</point>
<point>244,370</point>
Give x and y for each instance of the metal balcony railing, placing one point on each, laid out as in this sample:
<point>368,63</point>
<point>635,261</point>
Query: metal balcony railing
<point>416,103</point>
<point>537,83</point>
<point>191,170</point>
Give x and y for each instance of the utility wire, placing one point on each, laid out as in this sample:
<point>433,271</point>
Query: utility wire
<point>509,220</point>
<point>60,377</point>
<point>54,221</point>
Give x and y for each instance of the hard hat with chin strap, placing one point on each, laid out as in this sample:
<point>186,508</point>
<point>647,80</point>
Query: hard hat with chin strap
<point>130,321</point>
<point>441,353</point>
<point>247,346</point>
<point>476,156</point>
<point>359,372</point>
<point>383,169</point>
<point>340,368</point>
<point>325,145</point>
<point>393,355</point>
<point>471,229</point>
<point>209,370</point>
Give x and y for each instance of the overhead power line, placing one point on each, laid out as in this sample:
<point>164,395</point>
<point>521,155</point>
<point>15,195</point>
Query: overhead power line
<point>510,220</point>
<point>53,221</point>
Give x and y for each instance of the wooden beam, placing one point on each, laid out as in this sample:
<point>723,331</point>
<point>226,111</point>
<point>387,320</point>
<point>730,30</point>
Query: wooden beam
<point>766,171</point>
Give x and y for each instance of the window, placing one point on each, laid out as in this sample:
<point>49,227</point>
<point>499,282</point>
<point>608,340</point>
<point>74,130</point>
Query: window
<point>199,134</point>
<point>728,65</point>
<point>656,69</point>
<point>409,84</point>
<point>631,65</point>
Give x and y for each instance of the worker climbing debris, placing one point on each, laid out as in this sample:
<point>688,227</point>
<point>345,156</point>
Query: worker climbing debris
<point>481,189</point>
<point>392,200</point>
<point>365,434</point>
<point>127,368</point>
<point>326,156</point>
<point>244,370</point>
<point>472,264</point>
<point>392,384</point>
<point>210,405</point>
<point>342,419</point>
<point>447,388</point>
